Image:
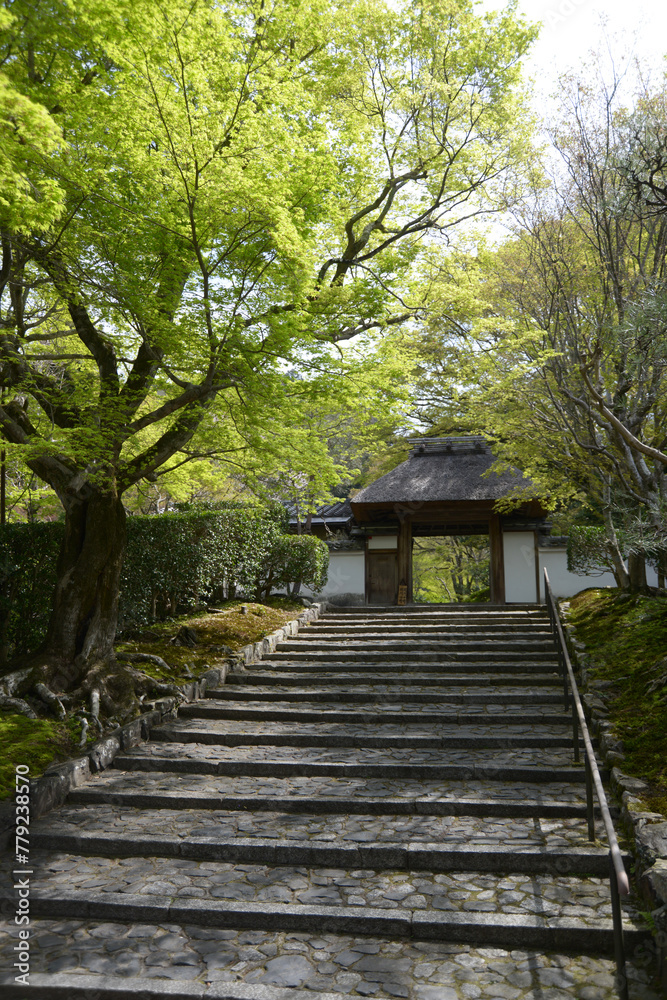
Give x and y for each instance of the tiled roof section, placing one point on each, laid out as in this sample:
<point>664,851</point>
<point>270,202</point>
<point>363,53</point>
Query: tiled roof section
<point>444,469</point>
<point>334,513</point>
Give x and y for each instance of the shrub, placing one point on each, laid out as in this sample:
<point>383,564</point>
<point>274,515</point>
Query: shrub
<point>172,560</point>
<point>295,559</point>
<point>28,558</point>
<point>182,559</point>
<point>588,550</point>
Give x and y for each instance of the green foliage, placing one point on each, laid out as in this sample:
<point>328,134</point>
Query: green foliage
<point>28,557</point>
<point>171,561</point>
<point>588,550</point>
<point>295,559</point>
<point>332,424</point>
<point>451,569</point>
<point>243,187</point>
<point>29,196</point>
<point>181,559</point>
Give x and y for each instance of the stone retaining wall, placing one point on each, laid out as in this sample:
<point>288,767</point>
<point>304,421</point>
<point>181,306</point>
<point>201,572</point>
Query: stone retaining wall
<point>52,788</point>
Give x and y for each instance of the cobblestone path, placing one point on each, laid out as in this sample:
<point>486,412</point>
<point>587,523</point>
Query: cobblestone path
<point>387,807</point>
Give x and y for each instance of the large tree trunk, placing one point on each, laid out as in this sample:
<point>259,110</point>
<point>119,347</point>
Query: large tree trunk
<point>620,570</point>
<point>85,604</point>
<point>637,573</point>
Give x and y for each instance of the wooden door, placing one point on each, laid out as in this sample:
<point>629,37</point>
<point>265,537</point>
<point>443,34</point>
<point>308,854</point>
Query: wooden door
<point>382,576</point>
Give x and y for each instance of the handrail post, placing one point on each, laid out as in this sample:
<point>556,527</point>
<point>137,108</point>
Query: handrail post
<point>590,815</point>
<point>548,596</point>
<point>561,660</point>
<point>575,732</point>
<point>619,946</point>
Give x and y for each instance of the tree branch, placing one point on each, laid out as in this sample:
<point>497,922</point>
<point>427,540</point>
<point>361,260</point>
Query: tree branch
<point>629,438</point>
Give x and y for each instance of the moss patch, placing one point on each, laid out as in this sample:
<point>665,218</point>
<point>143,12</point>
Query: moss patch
<point>35,742</point>
<point>228,627</point>
<point>40,742</point>
<point>626,639</point>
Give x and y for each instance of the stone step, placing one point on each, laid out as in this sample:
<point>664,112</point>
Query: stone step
<point>415,857</point>
<point>498,766</point>
<point>514,611</point>
<point>376,712</point>
<point>77,959</point>
<point>82,986</point>
<point>376,681</point>
<point>499,621</point>
<point>359,694</point>
<point>244,734</point>
<point>416,645</point>
<point>585,899</point>
<point>377,841</point>
<point>442,668</point>
<point>508,808</point>
<point>510,629</point>
<point>319,793</point>
<point>429,634</point>
<point>404,653</point>
<point>480,928</point>
<point>459,623</point>
<point>473,622</point>
<point>298,793</point>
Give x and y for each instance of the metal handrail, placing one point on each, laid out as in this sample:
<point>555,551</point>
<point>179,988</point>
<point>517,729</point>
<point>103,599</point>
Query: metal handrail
<point>619,882</point>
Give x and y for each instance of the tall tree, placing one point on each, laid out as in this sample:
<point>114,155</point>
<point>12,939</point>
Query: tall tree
<point>566,348</point>
<point>243,181</point>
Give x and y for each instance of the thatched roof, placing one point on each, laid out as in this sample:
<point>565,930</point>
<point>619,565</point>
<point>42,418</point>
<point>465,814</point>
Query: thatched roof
<point>444,469</point>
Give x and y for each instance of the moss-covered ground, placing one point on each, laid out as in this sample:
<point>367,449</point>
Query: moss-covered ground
<point>626,639</point>
<point>35,742</point>
<point>40,742</point>
<point>229,628</point>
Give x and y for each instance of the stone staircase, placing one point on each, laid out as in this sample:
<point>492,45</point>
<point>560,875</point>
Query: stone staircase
<point>387,807</point>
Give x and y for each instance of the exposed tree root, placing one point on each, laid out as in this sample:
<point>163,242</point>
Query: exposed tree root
<point>143,658</point>
<point>95,705</point>
<point>17,705</point>
<point>50,699</point>
<point>99,693</point>
<point>16,681</point>
<point>148,685</point>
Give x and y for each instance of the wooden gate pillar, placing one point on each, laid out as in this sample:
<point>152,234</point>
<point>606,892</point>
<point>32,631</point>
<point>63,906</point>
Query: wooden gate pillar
<point>405,555</point>
<point>497,571</point>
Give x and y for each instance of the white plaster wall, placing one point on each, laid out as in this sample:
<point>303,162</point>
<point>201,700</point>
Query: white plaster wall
<point>347,575</point>
<point>383,542</point>
<point>566,584</point>
<point>519,554</point>
<point>563,583</point>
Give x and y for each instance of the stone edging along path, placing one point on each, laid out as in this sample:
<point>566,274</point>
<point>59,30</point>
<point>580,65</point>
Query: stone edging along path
<point>648,829</point>
<point>51,790</point>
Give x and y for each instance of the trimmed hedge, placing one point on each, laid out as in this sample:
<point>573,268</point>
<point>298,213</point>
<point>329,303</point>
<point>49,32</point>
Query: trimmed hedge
<point>172,561</point>
<point>28,557</point>
<point>182,559</point>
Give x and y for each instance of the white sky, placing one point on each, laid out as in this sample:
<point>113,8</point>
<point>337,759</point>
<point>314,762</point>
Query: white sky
<point>572,28</point>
